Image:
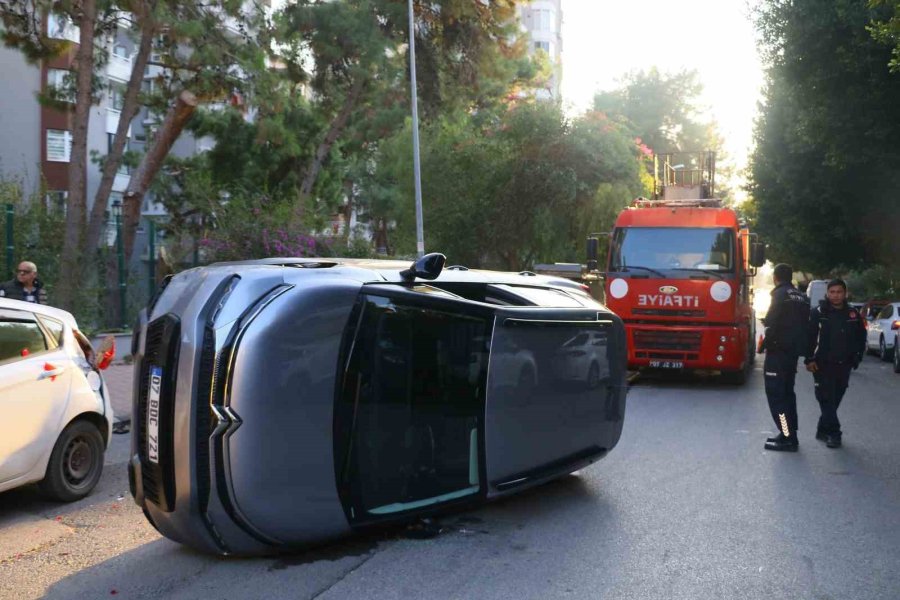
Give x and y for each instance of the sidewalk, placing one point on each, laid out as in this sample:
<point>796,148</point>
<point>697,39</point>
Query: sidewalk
<point>118,379</point>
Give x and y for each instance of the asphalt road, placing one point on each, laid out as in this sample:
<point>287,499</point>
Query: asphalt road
<point>689,505</point>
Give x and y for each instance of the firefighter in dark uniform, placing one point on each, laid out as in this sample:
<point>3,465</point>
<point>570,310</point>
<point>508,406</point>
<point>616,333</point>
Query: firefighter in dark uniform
<point>784,342</point>
<point>836,342</point>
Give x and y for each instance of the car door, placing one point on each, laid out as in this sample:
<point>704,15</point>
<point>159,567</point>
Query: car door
<point>880,325</point>
<point>35,377</point>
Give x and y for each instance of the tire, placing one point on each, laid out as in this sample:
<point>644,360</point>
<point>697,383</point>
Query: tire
<point>884,353</point>
<point>896,355</point>
<point>76,463</point>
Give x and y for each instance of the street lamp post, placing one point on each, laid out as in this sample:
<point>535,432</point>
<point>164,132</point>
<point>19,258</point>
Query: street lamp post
<point>420,236</point>
<point>120,254</point>
<point>10,245</point>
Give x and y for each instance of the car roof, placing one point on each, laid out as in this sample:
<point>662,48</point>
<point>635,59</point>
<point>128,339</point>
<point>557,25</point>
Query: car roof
<point>39,309</point>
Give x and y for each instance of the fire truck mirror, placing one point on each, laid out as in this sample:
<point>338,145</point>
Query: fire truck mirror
<point>593,250</point>
<point>757,254</point>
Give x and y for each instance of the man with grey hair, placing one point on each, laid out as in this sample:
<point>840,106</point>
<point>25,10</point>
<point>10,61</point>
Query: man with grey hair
<point>25,286</point>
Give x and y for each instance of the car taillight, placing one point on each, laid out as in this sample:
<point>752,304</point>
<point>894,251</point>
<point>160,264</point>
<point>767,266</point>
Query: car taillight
<point>895,325</point>
<point>585,288</point>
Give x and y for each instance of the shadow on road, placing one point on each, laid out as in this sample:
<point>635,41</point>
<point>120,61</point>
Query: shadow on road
<point>164,569</point>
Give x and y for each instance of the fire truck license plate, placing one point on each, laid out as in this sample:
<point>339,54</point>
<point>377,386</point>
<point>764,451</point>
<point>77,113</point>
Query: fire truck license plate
<point>667,364</point>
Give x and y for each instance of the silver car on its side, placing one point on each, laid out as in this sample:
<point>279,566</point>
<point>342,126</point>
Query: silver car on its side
<point>282,402</point>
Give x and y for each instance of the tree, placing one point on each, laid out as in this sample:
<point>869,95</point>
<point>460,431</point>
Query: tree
<point>886,28</point>
<point>353,56</point>
<point>823,174</point>
<point>662,110</point>
<point>524,185</point>
<point>208,50</point>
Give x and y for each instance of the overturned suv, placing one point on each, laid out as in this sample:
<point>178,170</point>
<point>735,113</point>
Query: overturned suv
<point>283,402</point>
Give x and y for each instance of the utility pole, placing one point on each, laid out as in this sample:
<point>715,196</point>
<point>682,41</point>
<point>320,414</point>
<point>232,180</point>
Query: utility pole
<point>10,243</point>
<point>420,236</point>
<point>120,255</point>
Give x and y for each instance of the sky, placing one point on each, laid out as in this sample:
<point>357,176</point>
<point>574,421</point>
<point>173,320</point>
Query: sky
<point>604,39</point>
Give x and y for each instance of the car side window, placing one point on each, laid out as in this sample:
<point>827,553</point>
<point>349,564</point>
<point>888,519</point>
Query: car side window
<point>887,312</point>
<point>19,338</point>
<point>54,328</point>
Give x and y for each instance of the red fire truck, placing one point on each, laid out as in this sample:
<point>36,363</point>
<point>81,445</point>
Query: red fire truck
<point>679,273</point>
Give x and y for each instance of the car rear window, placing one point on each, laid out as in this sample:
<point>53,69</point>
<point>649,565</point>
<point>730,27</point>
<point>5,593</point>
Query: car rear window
<point>18,336</point>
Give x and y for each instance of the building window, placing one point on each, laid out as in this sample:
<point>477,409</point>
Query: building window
<point>60,81</point>
<point>55,200</point>
<point>545,46</point>
<point>121,51</point>
<point>116,95</point>
<point>544,19</point>
<point>60,27</point>
<point>59,145</point>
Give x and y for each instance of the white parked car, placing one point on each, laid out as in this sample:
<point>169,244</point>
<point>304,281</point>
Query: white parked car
<point>882,332</point>
<point>55,412</point>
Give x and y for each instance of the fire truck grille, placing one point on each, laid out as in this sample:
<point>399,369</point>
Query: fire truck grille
<point>667,340</point>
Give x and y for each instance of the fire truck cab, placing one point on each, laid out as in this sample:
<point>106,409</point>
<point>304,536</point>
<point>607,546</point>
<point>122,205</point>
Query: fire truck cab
<point>679,273</point>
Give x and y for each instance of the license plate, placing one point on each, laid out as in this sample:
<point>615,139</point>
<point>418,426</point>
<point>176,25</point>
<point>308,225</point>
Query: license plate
<point>667,364</point>
<point>153,414</point>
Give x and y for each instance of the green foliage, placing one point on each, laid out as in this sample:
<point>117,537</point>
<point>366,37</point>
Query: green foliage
<point>526,186</point>
<point>824,173</point>
<point>38,237</point>
<point>662,110</point>
<point>886,29</point>
<point>876,282</point>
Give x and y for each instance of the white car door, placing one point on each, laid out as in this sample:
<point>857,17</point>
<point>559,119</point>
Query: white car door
<point>35,376</point>
<point>880,325</point>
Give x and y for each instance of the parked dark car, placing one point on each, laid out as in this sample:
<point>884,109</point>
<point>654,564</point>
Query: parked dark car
<point>282,402</point>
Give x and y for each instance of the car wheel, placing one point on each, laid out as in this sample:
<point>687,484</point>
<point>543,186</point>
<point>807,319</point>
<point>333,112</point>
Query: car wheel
<point>593,377</point>
<point>883,352</point>
<point>897,355</point>
<point>76,463</point>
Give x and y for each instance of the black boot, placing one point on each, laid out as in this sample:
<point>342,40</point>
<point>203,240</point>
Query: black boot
<point>821,435</point>
<point>833,441</point>
<point>782,443</point>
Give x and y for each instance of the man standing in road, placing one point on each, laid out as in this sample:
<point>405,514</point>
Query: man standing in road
<point>25,286</point>
<point>836,342</point>
<point>784,343</point>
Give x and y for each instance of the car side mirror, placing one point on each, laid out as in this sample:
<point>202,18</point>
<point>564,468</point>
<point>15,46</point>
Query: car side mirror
<point>428,267</point>
<point>757,254</point>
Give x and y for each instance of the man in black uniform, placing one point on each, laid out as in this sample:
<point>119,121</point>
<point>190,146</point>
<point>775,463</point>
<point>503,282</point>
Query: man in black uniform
<point>785,341</point>
<point>836,342</point>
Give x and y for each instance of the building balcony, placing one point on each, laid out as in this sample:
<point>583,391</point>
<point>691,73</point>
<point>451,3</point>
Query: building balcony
<point>119,67</point>
<point>112,121</point>
<point>120,183</point>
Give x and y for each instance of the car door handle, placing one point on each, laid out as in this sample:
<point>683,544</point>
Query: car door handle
<point>51,372</point>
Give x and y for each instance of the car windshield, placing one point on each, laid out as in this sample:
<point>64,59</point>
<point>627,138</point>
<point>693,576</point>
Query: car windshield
<point>667,248</point>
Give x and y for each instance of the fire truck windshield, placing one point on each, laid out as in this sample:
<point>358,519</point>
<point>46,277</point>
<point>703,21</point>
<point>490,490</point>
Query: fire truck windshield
<point>708,250</point>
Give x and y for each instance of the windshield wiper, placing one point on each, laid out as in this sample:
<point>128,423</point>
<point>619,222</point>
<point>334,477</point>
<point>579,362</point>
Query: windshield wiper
<point>627,268</point>
<point>710,271</point>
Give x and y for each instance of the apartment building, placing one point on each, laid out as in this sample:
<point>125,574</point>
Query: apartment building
<point>35,140</point>
<point>542,19</point>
